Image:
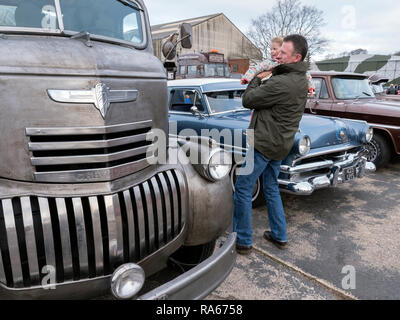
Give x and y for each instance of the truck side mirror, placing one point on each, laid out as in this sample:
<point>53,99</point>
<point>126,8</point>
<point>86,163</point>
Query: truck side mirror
<point>186,35</point>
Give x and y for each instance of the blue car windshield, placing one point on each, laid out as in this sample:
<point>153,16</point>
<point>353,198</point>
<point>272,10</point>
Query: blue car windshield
<point>225,101</point>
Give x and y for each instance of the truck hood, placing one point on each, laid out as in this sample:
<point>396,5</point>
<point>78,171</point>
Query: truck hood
<point>41,63</point>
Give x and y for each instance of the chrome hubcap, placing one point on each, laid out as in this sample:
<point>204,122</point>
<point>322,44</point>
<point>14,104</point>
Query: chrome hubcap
<point>256,189</point>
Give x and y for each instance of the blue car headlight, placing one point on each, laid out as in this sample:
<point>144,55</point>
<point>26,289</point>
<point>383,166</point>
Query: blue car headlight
<point>304,145</point>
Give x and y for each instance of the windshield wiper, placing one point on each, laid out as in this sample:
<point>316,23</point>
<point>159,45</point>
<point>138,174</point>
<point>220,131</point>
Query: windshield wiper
<point>240,110</point>
<point>358,97</point>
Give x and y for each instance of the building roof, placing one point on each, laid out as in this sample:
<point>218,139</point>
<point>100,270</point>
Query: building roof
<point>164,30</point>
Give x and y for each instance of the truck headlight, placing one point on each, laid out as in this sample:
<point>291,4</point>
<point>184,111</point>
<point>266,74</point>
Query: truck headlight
<point>127,281</point>
<point>219,165</point>
<point>369,135</point>
<point>304,145</point>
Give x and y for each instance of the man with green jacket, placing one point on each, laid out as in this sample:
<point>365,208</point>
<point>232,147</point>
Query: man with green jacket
<point>278,105</point>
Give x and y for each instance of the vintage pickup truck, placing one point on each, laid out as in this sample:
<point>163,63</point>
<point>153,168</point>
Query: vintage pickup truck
<point>83,210</point>
<point>350,96</point>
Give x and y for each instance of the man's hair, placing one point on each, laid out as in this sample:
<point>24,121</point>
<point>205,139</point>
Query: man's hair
<point>299,43</point>
<point>278,40</point>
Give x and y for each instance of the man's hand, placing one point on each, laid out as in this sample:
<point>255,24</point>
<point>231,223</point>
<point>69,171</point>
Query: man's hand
<point>264,74</point>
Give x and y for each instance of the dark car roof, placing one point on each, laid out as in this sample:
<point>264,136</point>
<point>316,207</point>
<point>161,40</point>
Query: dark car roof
<point>335,73</point>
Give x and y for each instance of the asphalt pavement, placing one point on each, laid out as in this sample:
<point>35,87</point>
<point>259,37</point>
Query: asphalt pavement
<point>344,243</point>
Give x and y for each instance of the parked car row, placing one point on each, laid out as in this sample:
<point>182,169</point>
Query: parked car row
<point>327,151</point>
<point>349,96</point>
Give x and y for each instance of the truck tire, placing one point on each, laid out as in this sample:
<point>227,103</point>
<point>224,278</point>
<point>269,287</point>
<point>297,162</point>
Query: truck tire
<point>257,195</point>
<point>187,257</point>
<point>379,151</point>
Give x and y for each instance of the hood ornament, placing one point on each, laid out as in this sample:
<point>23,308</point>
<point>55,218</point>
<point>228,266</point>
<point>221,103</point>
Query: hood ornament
<point>100,96</point>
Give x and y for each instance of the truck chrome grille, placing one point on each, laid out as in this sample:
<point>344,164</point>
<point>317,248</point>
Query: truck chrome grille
<point>88,237</point>
<point>90,154</point>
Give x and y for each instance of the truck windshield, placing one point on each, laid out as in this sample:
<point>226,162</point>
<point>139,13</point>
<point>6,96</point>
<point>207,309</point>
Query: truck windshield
<point>225,101</point>
<point>351,88</point>
<point>118,19</point>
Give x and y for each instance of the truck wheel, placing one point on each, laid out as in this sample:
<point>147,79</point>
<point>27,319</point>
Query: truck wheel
<point>257,194</point>
<point>379,151</point>
<point>187,257</point>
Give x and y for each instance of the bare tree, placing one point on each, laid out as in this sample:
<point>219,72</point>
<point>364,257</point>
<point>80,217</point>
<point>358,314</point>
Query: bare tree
<point>289,17</point>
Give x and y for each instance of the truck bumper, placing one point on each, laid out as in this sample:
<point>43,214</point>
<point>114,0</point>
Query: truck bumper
<point>198,282</point>
<point>305,179</point>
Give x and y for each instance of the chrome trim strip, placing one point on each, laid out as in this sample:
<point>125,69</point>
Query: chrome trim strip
<point>140,218</point>
<point>114,224</point>
<point>97,235</point>
<point>49,161</point>
<point>307,167</point>
<point>73,131</point>
<point>175,201</point>
<point>3,279</point>
<point>131,224</point>
<point>316,154</point>
<point>47,232</point>
<point>98,144</point>
<point>160,220</point>
<point>94,175</point>
<point>65,238</point>
<point>150,216</point>
<point>30,239</point>
<point>384,126</point>
<point>183,192</point>
<point>29,30</point>
<point>167,205</point>
<point>81,237</point>
<point>12,239</point>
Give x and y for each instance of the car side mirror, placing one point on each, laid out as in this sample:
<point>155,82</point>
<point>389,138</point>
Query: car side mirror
<point>194,110</point>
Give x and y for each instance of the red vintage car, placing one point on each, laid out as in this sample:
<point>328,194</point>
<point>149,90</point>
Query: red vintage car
<point>350,96</point>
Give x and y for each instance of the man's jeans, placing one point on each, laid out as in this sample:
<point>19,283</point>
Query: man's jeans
<point>244,186</point>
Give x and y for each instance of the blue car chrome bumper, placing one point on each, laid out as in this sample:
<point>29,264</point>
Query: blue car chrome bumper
<point>304,179</point>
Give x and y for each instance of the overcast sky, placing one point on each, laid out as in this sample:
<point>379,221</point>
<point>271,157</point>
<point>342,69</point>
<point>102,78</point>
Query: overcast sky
<point>369,24</point>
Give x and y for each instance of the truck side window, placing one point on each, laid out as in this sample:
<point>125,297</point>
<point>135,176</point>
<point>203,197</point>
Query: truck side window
<point>321,90</point>
<point>324,94</point>
<point>182,100</point>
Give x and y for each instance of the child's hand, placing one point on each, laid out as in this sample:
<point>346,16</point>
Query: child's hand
<point>264,74</point>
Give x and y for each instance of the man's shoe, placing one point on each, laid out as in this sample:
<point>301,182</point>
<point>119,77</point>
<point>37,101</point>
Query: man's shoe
<point>244,250</point>
<point>268,236</point>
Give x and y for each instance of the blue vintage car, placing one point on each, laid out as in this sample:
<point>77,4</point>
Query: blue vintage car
<point>327,151</point>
